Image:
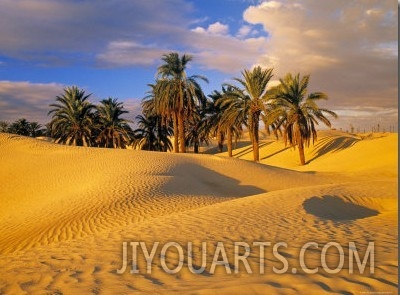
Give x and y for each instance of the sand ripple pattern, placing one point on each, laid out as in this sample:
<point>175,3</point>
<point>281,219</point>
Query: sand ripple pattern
<point>66,210</point>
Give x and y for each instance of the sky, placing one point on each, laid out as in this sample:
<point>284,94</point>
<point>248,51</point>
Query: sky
<point>113,48</point>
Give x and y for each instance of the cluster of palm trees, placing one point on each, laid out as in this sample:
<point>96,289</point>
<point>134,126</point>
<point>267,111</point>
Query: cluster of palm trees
<point>23,127</point>
<point>76,121</point>
<point>177,103</point>
<point>175,108</point>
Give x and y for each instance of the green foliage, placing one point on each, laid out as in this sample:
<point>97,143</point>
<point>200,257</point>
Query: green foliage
<point>154,130</point>
<point>177,96</point>
<point>112,130</point>
<point>175,106</point>
<point>23,127</point>
<point>76,121</point>
<point>297,112</point>
<point>152,134</point>
<point>252,94</point>
<point>72,118</point>
<point>4,126</point>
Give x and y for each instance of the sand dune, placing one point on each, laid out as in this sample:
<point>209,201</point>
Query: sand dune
<point>334,151</point>
<point>66,211</point>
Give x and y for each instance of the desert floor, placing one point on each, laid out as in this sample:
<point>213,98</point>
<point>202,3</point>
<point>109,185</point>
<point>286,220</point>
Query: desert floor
<point>66,211</point>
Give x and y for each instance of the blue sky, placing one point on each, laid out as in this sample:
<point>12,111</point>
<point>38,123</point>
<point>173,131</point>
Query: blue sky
<point>112,49</point>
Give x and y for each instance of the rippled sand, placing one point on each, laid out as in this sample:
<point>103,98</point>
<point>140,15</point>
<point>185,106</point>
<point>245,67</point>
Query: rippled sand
<point>65,212</point>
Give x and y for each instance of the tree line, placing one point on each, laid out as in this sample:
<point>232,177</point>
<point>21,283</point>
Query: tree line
<point>175,107</point>
<point>23,127</point>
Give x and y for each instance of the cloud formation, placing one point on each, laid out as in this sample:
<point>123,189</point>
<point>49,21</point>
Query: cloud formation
<point>31,101</point>
<point>350,48</point>
<point>127,53</point>
<point>367,118</point>
<point>27,100</point>
<point>213,29</point>
<point>29,30</point>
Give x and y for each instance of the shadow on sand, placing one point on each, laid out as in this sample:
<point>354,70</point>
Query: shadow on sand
<point>238,145</point>
<point>336,209</point>
<point>277,152</point>
<point>249,148</point>
<point>332,144</point>
<point>193,179</point>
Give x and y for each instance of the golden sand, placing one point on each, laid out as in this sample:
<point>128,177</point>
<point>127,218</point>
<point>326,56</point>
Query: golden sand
<point>65,212</point>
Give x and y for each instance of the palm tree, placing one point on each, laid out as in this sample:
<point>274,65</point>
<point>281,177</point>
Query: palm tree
<point>212,122</point>
<point>226,115</point>
<point>114,131</point>
<point>253,90</point>
<point>176,95</point>
<point>4,126</point>
<point>196,133</point>
<point>152,134</point>
<point>72,118</point>
<point>154,131</point>
<point>35,129</point>
<point>20,127</point>
<point>234,115</point>
<point>298,112</point>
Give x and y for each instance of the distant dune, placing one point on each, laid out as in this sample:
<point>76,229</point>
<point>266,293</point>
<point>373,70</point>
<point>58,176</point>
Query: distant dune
<point>65,212</point>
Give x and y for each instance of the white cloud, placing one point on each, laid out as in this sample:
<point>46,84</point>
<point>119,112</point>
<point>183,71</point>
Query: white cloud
<point>218,29</point>
<point>214,48</point>
<point>213,29</point>
<point>27,100</point>
<point>225,53</point>
<point>270,4</point>
<point>126,53</point>
<point>244,31</point>
<point>199,30</point>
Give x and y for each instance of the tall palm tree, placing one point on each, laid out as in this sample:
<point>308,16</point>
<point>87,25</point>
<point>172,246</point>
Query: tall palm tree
<point>253,89</point>
<point>176,94</point>
<point>114,131</point>
<point>298,112</point>
<point>72,118</point>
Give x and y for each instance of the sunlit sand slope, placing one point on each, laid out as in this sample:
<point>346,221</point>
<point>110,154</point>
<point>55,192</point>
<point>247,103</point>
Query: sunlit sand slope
<point>51,193</point>
<point>334,151</point>
<point>65,212</point>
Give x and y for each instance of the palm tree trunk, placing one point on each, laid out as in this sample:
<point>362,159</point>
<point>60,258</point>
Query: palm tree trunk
<point>251,130</point>
<point>301,153</point>
<point>176,133</point>
<point>220,139</point>
<point>250,127</point>
<point>181,128</point>
<point>196,147</point>
<point>256,153</point>
<point>299,141</point>
<point>229,142</point>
